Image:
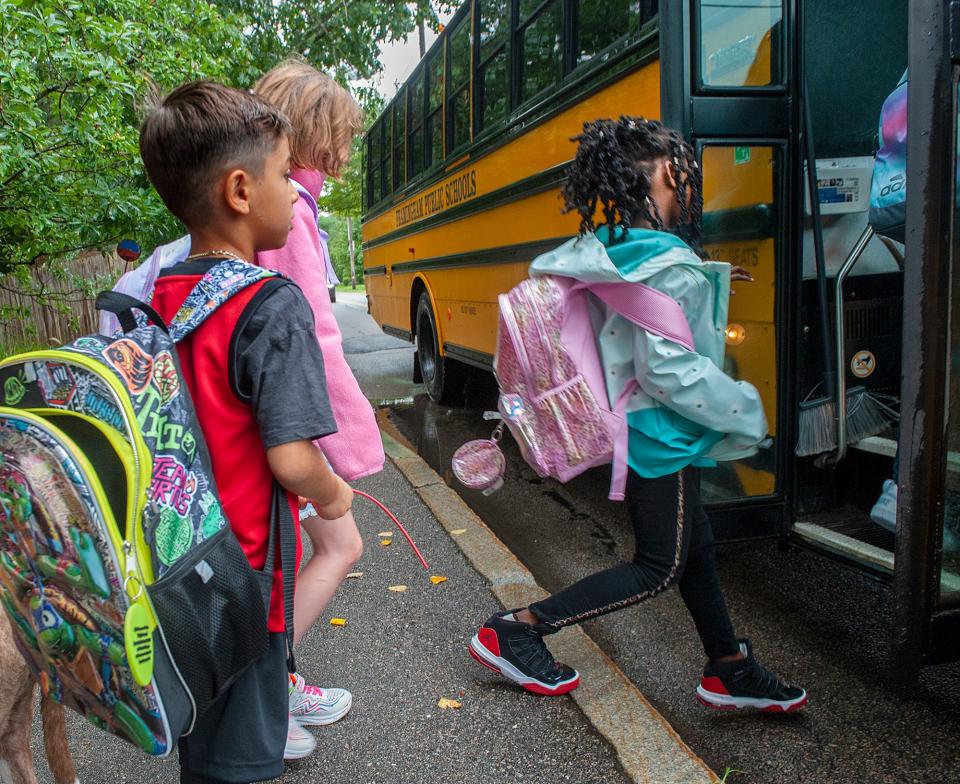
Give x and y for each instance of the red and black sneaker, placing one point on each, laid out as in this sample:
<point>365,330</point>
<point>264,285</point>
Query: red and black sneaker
<point>516,650</point>
<point>747,684</point>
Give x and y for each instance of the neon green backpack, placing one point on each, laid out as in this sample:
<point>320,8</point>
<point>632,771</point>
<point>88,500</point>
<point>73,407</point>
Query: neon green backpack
<point>130,598</point>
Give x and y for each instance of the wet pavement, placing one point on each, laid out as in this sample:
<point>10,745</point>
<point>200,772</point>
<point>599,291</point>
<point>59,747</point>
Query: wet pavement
<point>399,653</point>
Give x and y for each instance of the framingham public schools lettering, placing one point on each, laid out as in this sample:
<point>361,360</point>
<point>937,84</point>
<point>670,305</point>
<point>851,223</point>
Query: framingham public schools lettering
<point>440,198</point>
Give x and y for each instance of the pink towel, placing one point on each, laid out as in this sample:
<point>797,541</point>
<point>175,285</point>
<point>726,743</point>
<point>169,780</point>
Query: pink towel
<point>355,450</point>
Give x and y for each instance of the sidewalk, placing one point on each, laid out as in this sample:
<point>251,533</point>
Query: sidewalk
<point>400,652</point>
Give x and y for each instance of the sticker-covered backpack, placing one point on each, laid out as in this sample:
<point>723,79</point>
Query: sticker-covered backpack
<point>129,596</point>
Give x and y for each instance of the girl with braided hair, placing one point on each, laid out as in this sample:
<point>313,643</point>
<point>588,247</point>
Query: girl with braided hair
<point>643,180</point>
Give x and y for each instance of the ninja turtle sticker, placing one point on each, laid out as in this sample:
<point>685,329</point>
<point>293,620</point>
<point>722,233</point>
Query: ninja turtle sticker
<point>132,363</point>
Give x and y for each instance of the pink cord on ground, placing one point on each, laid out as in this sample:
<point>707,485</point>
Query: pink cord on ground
<point>399,525</point>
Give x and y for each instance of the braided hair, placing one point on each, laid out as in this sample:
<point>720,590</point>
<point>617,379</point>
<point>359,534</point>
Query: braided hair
<point>613,170</point>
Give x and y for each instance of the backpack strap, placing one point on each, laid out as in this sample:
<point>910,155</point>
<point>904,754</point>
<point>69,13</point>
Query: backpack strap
<point>221,282</point>
<point>657,313</point>
<point>123,305</point>
<point>282,529</point>
<point>646,307</point>
<point>307,197</point>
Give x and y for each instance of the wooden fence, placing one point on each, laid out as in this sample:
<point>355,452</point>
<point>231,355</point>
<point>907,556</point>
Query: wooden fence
<point>28,324</point>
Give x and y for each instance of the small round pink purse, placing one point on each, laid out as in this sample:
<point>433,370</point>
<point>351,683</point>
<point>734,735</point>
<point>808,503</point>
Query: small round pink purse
<point>480,464</point>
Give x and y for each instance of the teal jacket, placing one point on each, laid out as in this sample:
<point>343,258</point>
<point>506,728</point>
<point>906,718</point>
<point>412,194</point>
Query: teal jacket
<point>687,411</point>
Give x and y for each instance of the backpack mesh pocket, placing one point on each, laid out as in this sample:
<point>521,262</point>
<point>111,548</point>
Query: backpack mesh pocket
<point>211,610</point>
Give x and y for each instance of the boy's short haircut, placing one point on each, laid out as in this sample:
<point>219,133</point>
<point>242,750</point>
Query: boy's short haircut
<point>199,132</point>
<point>324,116</point>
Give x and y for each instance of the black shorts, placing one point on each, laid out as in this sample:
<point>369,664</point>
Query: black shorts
<point>242,736</point>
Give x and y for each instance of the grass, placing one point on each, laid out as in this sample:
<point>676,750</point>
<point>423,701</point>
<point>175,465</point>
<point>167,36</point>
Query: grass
<point>347,287</point>
<point>8,349</point>
<point>728,773</point>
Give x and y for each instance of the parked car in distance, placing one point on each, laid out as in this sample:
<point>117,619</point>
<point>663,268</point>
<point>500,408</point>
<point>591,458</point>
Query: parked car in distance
<point>332,291</point>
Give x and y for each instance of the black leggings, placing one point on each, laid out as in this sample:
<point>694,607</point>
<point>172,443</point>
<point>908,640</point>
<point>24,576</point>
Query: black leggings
<point>674,544</point>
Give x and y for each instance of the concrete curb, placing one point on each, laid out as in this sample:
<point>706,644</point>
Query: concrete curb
<point>649,749</point>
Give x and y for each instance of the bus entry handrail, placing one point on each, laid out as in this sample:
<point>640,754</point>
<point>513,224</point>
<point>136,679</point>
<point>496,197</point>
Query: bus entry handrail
<point>840,347</point>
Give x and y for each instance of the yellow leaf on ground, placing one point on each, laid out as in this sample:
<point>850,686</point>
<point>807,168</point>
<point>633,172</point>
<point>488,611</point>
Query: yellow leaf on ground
<point>338,621</point>
<point>397,588</point>
<point>385,534</point>
<point>458,531</point>
<point>386,542</point>
<point>354,575</point>
<point>445,703</point>
<point>437,579</point>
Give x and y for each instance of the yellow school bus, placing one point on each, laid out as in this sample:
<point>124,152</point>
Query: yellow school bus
<point>462,176</point>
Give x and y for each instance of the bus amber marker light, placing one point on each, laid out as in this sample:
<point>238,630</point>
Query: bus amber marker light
<point>735,334</point>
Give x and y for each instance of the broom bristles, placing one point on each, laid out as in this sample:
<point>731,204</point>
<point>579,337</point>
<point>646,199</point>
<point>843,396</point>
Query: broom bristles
<point>867,416</point>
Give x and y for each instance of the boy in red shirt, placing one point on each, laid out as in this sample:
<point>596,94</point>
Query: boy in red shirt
<point>220,160</point>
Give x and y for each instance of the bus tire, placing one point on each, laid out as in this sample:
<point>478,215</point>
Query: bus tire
<point>443,377</point>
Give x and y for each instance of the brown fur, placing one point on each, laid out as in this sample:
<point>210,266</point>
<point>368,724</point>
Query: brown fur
<point>17,690</point>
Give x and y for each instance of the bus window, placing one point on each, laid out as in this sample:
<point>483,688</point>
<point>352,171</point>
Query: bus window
<point>374,190</point>
<point>599,23</point>
<point>492,85</point>
<point>415,125</point>
<point>458,100</point>
<point>739,40</point>
<point>739,227</point>
<point>434,126</point>
<point>539,37</point>
<point>399,134</point>
<point>386,145</point>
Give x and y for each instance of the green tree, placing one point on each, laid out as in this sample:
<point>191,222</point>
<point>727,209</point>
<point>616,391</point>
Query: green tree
<point>339,36</point>
<point>73,78</point>
<point>336,227</point>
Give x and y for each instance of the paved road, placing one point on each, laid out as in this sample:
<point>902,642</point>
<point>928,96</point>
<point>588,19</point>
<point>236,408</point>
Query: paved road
<point>816,622</point>
<point>383,364</point>
<point>399,654</point>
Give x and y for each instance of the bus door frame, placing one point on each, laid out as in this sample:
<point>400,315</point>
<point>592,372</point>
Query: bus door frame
<point>926,629</point>
<point>757,116</point>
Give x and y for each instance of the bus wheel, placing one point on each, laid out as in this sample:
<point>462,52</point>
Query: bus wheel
<point>443,377</point>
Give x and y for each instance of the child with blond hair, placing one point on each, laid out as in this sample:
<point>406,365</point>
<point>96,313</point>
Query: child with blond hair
<point>324,118</point>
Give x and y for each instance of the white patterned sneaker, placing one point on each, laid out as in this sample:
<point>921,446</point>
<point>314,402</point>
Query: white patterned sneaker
<point>313,705</point>
<point>884,512</point>
<point>300,742</point>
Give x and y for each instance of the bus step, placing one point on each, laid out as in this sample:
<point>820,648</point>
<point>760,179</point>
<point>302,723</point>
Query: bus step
<point>847,546</point>
<point>876,445</point>
<point>844,545</point>
<point>887,447</point>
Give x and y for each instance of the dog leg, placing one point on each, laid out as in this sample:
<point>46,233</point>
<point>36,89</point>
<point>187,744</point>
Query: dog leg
<point>55,741</point>
<point>15,742</point>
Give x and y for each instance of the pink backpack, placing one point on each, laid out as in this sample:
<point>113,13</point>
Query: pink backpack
<point>553,396</point>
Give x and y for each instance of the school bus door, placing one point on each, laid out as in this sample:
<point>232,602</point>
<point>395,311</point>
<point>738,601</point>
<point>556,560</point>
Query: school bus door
<point>728,80</point>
